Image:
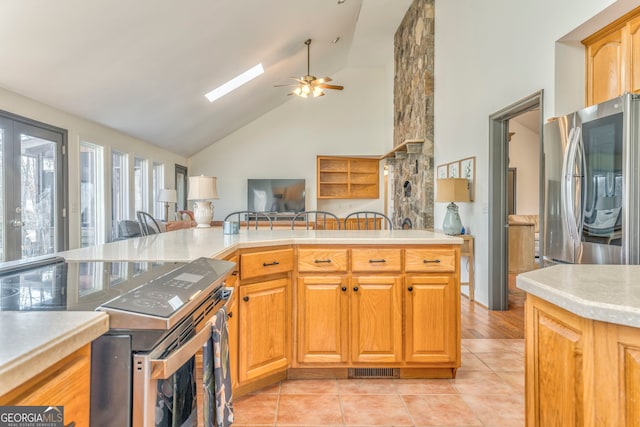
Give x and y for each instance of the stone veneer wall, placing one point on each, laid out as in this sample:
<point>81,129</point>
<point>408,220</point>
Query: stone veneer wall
<point>413,110</point>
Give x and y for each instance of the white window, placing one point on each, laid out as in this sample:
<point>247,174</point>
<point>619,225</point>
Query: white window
<point>119,191</point>
<point>91,194</point>
<point>158,184</point>
<point>141,184</point>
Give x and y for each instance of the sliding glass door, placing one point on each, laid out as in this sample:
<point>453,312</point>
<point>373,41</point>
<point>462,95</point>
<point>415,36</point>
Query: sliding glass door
<point>32,209</point>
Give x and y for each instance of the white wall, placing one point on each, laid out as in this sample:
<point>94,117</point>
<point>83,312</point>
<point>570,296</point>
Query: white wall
<point>488,55</point>
<point>284,143</point>
<point>524,155</point>
<point>80,129</point>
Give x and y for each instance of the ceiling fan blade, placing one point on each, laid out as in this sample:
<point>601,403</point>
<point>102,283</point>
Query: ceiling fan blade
<point>325,86</point>
<point>322,80</point>
<point>292,85</point>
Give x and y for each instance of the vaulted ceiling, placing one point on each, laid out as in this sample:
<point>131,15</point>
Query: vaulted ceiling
<point>143,66</point>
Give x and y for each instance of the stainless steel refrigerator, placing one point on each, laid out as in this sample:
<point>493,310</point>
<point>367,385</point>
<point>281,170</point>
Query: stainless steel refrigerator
<point>591,179</point>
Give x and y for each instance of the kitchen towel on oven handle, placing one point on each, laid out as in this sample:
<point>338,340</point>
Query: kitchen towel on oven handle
<point>218,402</point>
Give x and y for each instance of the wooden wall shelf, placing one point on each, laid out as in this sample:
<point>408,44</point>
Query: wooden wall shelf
<point>348,177</point>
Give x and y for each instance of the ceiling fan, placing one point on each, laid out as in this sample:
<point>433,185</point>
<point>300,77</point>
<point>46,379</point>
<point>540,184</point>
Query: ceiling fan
<point>310,85</point>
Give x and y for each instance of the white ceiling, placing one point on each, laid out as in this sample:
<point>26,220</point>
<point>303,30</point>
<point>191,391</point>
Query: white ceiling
<point>143,66</point>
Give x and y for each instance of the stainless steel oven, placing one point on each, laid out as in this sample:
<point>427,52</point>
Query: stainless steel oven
<point>143,370</point>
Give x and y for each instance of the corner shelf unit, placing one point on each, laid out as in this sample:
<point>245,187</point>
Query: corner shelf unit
<point>348,177</point>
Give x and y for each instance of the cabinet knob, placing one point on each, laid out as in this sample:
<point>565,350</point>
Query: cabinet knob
<point>230,315</point>
<point>245,299</point>
<point>355,289</point>
<point>344,289</point>
<point>410,288</point>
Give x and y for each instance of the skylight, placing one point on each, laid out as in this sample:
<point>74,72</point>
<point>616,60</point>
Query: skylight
<point>235,83</point>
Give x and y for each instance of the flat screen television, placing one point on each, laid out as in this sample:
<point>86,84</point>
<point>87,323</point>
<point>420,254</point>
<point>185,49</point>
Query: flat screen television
<point>275,195</point>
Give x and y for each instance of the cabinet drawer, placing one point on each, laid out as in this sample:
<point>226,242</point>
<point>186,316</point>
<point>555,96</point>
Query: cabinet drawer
<point>376,260</point>
<point>264,263</point>
<point>430,260</point>
<point>233,277</point>
<point>322,260</point>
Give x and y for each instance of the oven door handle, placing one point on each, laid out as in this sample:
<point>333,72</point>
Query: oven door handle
<point>161,369</point>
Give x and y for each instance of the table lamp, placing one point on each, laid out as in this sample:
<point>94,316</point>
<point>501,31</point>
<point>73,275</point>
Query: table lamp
<point>452,190</point>
<point>166,196</point>
<point>202,189</point>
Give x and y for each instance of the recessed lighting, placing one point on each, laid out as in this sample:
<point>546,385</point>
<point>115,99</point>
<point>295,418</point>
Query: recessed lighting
<point>235,83</point>
<point>341,1</point>
<point>336,40</point>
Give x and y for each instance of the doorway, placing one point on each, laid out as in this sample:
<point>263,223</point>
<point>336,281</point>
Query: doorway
<point>498,195</point>
<point>33,202</point>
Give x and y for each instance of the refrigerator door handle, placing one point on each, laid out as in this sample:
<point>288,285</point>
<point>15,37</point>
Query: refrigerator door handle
<point>567,188</point>
<point>579,177</point>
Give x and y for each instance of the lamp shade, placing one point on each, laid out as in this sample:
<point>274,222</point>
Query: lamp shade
<point>202,188</point>
<point>452,190</point>
<point>168,195</point>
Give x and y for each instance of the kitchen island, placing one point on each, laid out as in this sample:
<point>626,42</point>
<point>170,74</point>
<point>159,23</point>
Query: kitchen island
<point>582,326</point>
<point>397,280</point>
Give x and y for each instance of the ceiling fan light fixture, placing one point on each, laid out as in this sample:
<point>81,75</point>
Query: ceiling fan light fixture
<point>235,83</point>
<point>317,92</point>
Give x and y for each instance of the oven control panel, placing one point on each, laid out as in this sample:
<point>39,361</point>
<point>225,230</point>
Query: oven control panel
<point>163,295</point>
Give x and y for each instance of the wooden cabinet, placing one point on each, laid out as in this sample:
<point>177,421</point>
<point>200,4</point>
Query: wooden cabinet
<point>348,177</point>
<point>579,372</point>
<point>555,342</point>
<point>376,319</point>
<point>430,307</point>
<point>322,319</point>
<point>64,384</point>
<point>613,59</point>
<point>265,328</point>
<point>402,307</point>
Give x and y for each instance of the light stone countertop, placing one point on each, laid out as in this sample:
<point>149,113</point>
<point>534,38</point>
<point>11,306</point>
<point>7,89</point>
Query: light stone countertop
<point>608,293</point>
<point>191,243</point>
<point>32,341</point>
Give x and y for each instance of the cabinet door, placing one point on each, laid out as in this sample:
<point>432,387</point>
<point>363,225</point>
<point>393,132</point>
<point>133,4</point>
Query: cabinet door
<point>64,384</point>
<point>555,366</point>
<point>617,370</point>
<point>633,54</point>
<point>376,319</point>
<point>605,62</point>
<point>264,333</point>
<point>232,326</point>
<point>432,308</point>
<point>322,319</point>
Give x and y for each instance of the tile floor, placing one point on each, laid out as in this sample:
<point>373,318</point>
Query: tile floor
<point>488,391</point>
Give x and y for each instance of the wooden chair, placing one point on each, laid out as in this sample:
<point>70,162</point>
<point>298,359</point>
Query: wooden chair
<point>367,220</point>
<point>322,220</point>
<point>250,217</point>
<point>148,224</point>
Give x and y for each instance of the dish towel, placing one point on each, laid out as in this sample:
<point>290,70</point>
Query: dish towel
<point>218,404</point>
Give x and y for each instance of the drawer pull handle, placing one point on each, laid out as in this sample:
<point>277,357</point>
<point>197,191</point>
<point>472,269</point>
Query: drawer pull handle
<point>427,261</point>
<point>320,261</point>
<point>235,273</point>
<point>245,299</point>
<point>267,264</point>
<point>377,260</point>
<point>410,288</point>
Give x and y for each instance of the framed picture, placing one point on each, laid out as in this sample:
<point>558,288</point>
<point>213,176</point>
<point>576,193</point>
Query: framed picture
<point>442,171</point>
<point>454,170</point>
<point>468,170</point>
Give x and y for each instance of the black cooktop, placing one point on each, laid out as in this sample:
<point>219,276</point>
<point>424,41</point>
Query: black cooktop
<point>61,285</point>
